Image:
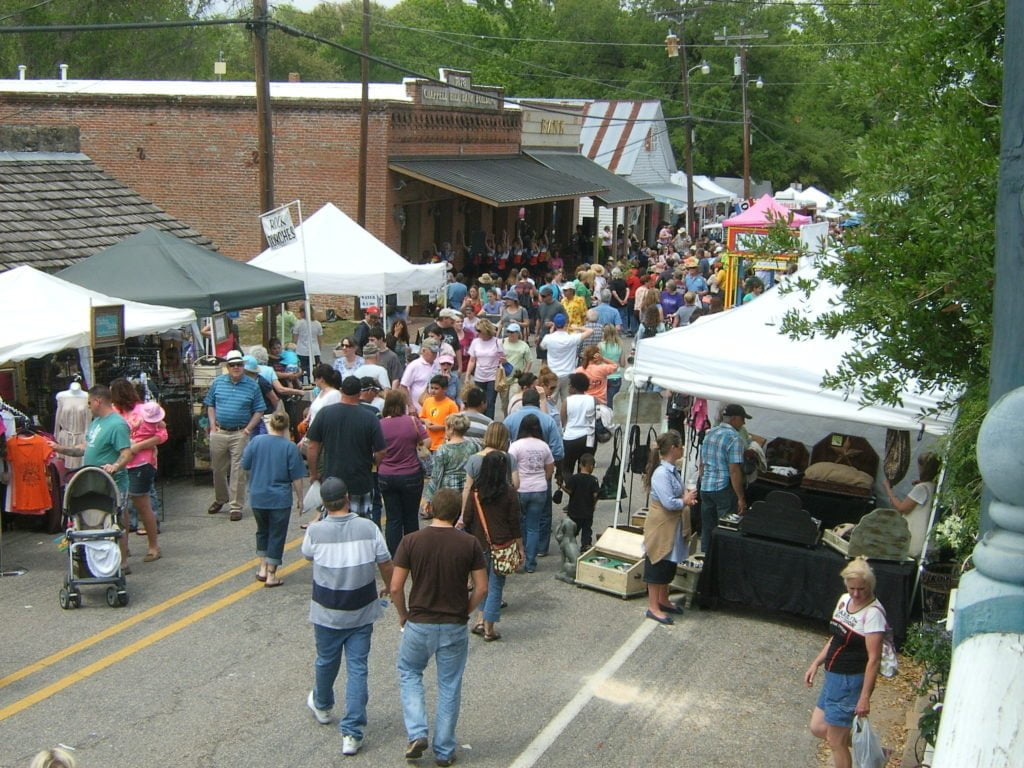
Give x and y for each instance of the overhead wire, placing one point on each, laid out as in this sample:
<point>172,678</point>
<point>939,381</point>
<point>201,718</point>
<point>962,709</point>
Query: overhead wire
<point>25,10</point>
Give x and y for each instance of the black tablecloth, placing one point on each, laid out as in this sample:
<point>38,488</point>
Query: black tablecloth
<point>831,508</point>
<point>785,577</point>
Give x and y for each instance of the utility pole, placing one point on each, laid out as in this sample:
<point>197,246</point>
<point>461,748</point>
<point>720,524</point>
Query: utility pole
<point>264,118</point>
<point>364,116</point>
<point>984,704</point>
<point>742,39</point>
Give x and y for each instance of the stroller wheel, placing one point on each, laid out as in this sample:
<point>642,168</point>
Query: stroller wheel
<point>122,598</point>
<point>65,598</point>
<point>112,596</point>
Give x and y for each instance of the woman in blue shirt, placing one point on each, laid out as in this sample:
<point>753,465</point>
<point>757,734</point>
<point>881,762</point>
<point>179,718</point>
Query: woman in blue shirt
<point>667,526</point>
<point>275,467</point>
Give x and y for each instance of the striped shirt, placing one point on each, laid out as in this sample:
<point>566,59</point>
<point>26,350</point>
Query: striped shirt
<point>478,423</point>
<point>345,550</point>
<point>235,402</point>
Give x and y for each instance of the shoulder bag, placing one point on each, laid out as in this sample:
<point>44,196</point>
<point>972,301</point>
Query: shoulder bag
<point>506,558</point>
<point>610,481</point>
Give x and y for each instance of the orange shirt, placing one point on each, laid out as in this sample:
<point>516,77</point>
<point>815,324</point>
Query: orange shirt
<point>30,491</point>
<point>598,376</point>
<point>436,411</point>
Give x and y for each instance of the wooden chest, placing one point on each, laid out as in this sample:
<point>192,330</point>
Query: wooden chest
<point>615,564</point>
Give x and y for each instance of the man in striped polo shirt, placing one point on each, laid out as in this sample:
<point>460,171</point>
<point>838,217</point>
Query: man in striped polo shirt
<point>234,406</point>
<point>346,551</point>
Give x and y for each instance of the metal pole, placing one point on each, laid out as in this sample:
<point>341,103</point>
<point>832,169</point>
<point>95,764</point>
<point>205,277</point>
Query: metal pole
<point>364,116</point>
<point>688,144</point>
<point>746,125</point>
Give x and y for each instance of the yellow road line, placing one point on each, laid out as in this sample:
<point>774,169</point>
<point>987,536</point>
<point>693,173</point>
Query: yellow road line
<point>137,618</point>
<point>97,666</point>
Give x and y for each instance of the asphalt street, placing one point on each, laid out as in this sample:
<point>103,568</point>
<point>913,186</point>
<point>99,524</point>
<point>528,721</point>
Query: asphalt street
<point>207,668</point>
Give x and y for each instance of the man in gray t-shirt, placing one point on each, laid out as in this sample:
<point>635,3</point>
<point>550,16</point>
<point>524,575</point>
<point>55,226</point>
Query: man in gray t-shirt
<point>547,310</point>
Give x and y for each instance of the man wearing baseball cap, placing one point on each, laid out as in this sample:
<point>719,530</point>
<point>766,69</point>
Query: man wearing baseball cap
<point>419,372</point>
<point>372,368</point>
<point>549,307</point>
<point>722,488</point>
<point>561,348</point>
<point>361,334</point>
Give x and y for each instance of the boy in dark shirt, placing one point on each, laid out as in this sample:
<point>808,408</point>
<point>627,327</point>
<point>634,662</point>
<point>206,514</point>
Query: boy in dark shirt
<point>583,490</point>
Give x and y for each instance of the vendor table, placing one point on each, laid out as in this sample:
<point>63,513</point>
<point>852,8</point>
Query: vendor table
<point>786,577</point>
<point>831,508</point>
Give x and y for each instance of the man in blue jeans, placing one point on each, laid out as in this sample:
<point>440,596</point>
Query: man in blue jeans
<point>346,550</point>
<point>722,487</point>
<point>440,559</point>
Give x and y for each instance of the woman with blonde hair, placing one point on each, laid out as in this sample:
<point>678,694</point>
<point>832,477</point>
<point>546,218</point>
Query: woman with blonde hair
<point>275,468</point>
<point>851,658</point>
<point>53,758</point>
<point>496,438</point>
<point>448,468</point>
<point>667,527</point>
<point>486,353</point>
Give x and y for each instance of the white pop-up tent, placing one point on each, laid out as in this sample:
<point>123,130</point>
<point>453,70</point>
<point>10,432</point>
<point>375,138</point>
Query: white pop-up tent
<point>741,356</point>
<point>41,314</point>
<point>341,258</point>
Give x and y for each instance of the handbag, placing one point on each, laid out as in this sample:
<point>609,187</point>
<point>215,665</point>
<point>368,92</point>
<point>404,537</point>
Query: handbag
<point>423,452</point>
<point>639,454</point>
<point>506,558</point>
<point>610,481</point>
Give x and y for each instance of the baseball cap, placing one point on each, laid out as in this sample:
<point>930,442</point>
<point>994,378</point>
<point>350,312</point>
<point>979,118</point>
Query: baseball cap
<point>333,489</point>
<point>736,410</point>
<point>250,364</point>
<point>374,310</point>
<point>367,383</point>
<point>351,385</point>
<point>370,348</point>
<point>511,296</point>
<point>448,312</point>
<point>569,287</point>
<point>514,328</point>
<point>559,320</point>
<point>430,344</point>
<point>446,359</point>
<point>546,290</point>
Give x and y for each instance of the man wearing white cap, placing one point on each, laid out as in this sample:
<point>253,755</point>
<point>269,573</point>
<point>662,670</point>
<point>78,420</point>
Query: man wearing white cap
<point>371,368</point>
<point>519,355</point>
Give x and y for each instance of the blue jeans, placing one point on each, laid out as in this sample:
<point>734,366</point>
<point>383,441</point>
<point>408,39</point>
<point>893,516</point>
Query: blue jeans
<point>625,318</point>
<point>449,645</point>
<point>329,645</point>
<point>495,586</point>
<point>271,531</point>
<point>491,393</point>
<point>714,505</point>
<point>614,385</point>
<point>532,505</point>
<point>402,505</point>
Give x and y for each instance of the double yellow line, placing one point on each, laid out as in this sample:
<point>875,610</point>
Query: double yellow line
<point>123,653</point>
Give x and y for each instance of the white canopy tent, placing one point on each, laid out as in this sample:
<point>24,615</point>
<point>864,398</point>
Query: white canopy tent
<point>41,314</point>
<point>744,358</point>
<point>341,258</point>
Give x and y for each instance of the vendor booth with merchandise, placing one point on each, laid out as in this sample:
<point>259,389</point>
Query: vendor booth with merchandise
<point>745,359</point>
<point>47,336</point>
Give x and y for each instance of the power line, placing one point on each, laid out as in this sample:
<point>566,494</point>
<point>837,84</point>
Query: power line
<point>25,10</point>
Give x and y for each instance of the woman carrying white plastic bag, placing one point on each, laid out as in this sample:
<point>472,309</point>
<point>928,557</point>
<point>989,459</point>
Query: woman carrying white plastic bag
<point>851,658</point>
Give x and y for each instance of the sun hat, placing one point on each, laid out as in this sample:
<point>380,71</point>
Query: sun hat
<point>485,279</point>
<point>151,412</point>
<point>597,269</point>
<point>510,296</point>
<point>234,356</point>
<point>454,314</point>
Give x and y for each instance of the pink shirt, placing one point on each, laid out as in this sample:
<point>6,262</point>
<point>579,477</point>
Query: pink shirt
<point>532,456</point>
<point>143,430</point>
<point>488,354</point>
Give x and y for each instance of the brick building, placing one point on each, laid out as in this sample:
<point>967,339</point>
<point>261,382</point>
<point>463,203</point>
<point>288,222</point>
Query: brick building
<point>444,163</point>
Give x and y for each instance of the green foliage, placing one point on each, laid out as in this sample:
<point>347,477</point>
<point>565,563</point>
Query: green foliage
<point>932,646</point>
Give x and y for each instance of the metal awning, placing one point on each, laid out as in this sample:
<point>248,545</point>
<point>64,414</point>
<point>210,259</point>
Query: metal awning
<point>500,181</point>
<point>673,194</point>
<point>620,192</point>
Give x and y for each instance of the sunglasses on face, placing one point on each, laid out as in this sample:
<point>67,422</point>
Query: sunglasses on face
<point>235,365</point>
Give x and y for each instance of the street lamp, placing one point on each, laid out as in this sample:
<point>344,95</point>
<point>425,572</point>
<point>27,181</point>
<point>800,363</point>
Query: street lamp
<point>672,46</point>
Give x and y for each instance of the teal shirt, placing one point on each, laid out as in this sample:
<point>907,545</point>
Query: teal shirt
<point>104,441</point>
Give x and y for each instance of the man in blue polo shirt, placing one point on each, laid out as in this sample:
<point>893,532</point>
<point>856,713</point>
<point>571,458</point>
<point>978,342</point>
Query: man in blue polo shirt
<point>234,406</point>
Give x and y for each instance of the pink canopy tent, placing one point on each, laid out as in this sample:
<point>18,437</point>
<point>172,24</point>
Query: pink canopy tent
<point>765,212</point>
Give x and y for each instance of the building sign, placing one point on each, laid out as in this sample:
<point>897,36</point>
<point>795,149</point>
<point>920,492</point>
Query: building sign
<point>556,127</point>
<point>278,228</point>
<point>459,92</point>
<point>551,124</point>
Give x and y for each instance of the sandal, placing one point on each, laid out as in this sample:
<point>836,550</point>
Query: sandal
<point>479,630</point>
<point>271,584</point>
<point>261,577</point>
<point>490,638</point>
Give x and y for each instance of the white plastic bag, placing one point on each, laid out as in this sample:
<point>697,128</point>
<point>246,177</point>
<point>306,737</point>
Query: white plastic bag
<point>867,749</point>
<point>312,501</point>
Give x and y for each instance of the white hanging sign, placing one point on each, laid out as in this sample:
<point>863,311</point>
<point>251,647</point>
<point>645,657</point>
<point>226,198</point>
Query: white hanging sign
<point>278,228</point>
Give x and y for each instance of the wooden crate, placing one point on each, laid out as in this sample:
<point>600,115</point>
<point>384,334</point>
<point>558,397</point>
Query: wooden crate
<point>638,518</point>
<point>615,564</point>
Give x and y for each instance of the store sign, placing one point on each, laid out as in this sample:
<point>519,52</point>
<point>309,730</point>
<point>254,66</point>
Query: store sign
<point>459,91</point>
<point>278,228</point>
<point>367,300</point>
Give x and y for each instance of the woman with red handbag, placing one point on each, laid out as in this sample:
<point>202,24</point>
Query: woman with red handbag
<point>491,513</point>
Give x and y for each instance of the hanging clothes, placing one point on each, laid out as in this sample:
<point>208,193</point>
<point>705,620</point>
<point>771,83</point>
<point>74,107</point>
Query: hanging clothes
<point>29,489</point>
<point>72,422</point>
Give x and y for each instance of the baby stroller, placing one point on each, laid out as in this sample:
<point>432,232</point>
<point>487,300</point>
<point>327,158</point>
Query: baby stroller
<point>94,557</point>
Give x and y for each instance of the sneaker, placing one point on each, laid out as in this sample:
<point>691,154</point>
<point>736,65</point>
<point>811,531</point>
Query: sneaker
<point>416,749</point>
<point>323,716</point>
<point>444,762</point>
<point>350,745</point>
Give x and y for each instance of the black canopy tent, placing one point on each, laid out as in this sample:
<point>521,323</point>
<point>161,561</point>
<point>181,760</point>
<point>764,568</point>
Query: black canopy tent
<point>159,268</point>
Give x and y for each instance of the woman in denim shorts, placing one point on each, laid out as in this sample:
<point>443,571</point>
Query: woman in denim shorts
<point>851,658</point>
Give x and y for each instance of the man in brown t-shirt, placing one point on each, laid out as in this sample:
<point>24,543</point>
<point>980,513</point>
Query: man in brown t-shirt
<point>440,559</point>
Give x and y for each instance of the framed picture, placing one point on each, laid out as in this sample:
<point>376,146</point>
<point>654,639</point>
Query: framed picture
<point>107,326</point>
<point>221,328</point>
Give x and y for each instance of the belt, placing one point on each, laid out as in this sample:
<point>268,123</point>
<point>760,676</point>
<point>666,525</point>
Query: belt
<point>222,428</point>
